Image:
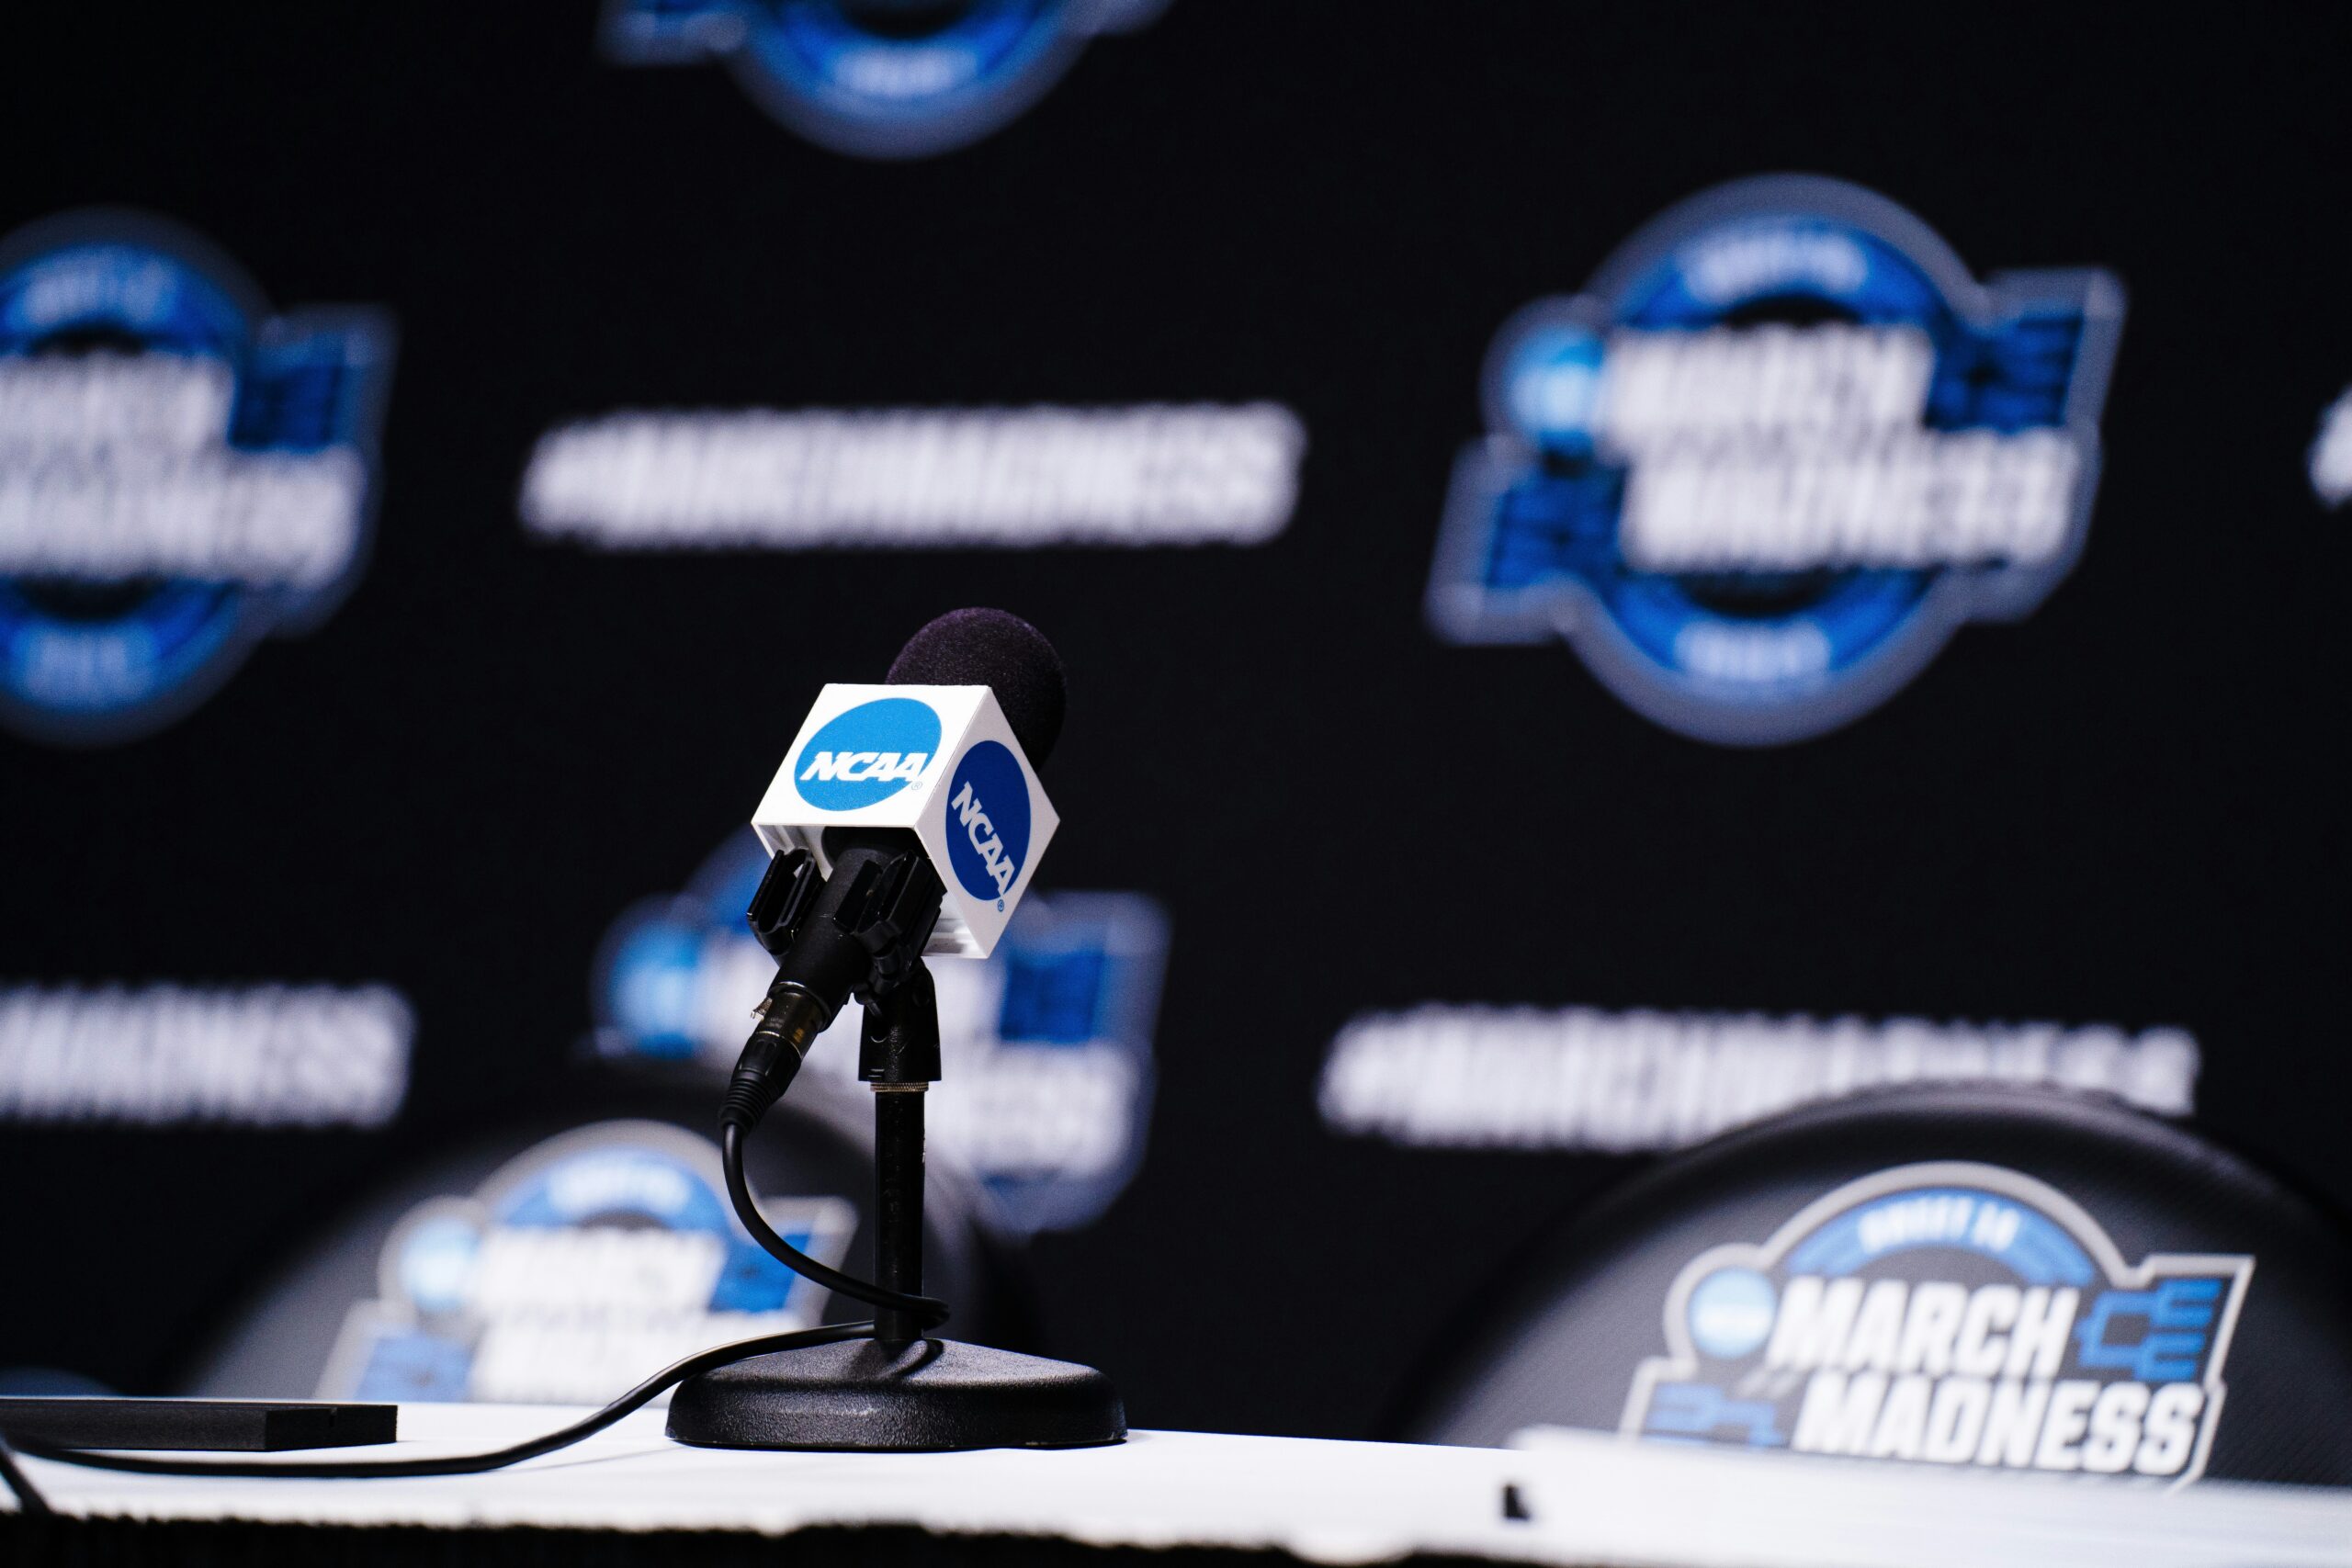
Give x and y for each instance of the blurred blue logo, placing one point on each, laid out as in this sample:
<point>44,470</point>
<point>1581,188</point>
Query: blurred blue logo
<point>1774,455</point>
<point>1047,1043</point>
<point>1948,1314</point>
<point>877,78</point>
<point>181,471</point>
<point>579,1264</point>
<point>867,754</point>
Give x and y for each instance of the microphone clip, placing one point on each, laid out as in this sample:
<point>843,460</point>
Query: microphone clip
<point>859,931</point>
<point>787,890</point>
<point>863,928</point>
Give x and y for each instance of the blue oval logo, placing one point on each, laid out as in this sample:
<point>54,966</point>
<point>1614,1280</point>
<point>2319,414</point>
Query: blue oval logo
<point>1732,1312</point>
<point>987,820</point>
<point>867,754</point>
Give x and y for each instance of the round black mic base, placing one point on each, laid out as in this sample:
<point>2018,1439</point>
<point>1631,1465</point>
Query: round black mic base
<point>926,1396</point>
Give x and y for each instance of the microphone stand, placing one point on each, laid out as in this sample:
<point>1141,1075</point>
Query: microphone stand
<point>901,1390</point>
<point>898,1057</point>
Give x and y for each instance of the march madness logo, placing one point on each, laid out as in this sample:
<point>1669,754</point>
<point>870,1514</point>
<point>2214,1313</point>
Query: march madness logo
<point>600,1254</point>
<point>181,471</point>
<point>877,78</point>
<point>1775,454</point>
<point>1948,1314</point>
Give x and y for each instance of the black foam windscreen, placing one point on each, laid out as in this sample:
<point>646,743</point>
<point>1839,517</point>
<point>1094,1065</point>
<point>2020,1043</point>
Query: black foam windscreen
<point>1003,652</point>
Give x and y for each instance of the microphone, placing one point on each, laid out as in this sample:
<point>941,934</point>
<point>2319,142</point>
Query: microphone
<point>1003,652</point>
<point>907,819</point>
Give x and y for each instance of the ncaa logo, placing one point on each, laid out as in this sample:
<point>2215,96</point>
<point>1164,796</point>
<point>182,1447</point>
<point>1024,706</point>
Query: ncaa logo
<point>181,471</point>
<point>877,78</point>
<point>1776,452</point>
<point>867,754</point>
<point>988,821</point>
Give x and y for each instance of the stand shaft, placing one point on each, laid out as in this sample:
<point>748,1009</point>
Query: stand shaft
<point>898,1205</point>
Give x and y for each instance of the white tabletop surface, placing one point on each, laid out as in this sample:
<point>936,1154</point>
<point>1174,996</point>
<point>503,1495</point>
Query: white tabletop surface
<point>1592,1499</point>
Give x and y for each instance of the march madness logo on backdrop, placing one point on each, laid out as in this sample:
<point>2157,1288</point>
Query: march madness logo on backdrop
<point>1774,455</point>
<point>877,78</point>
<point>181,471</point>
<point>1948,1314</point>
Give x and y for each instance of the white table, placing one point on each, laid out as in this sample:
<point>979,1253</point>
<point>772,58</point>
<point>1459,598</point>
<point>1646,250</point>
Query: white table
<point>1591,1500</point>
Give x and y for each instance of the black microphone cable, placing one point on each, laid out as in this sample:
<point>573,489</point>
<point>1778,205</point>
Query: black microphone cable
<point>930,1310</point>
<point>454,1465</point>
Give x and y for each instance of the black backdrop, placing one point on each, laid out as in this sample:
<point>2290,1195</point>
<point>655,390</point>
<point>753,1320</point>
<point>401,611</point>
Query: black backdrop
<point>2119,810</point>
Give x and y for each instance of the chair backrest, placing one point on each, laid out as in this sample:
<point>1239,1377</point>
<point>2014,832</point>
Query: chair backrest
<point>1962,1277</point>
